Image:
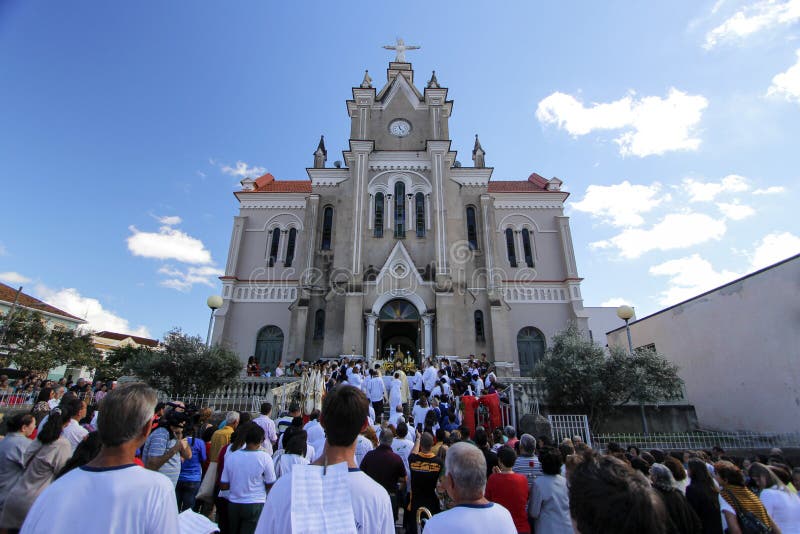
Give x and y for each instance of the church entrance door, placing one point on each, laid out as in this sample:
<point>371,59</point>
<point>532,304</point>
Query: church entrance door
<point>399,331</point>
<point>269,347</point>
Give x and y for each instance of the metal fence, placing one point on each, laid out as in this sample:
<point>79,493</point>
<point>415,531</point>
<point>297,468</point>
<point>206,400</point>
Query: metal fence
<point>700,440</point>
<point>567,426</point>
<point>246,396</point>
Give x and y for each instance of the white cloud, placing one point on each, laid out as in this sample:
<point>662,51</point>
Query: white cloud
<point>653,125</point>
<point>751,19</point>
<point>184,280</point>
<point>11,277</point>
<point>616,302</point>
<point>787,83</point>
<point>621,204</point>
<point>773,248</point>
<point>707,191</point>
<point>3,250</point>
<point>242,170</point>
<point>168,244</point>
<point>735,211</point>
<point>90,309</point>
<point>675,231</point>
<point>169,220</point>
<point>771,190</point>
<point>689,277</point>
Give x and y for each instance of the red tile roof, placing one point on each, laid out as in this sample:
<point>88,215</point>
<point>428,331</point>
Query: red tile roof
<point>268,184</point>
<point>533,184</point>
<point>7,294</point>
<point>119,337</point>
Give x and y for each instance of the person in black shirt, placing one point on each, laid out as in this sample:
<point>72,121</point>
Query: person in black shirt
<point>386,467</point>
<point>482,441</point>
<point>425,468</point>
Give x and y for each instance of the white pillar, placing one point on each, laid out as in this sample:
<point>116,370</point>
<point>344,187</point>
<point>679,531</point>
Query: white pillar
<point>369,351</point>
<point>390,211</point>
<point>427,322</point>
<point>284,246</point>
<point>371,213</point>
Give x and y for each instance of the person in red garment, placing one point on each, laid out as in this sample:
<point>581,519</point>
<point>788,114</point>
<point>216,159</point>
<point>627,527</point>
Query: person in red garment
<point>510,489</point>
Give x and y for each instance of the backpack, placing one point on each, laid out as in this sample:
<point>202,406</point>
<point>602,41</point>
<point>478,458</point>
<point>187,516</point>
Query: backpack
<point>748,521</point>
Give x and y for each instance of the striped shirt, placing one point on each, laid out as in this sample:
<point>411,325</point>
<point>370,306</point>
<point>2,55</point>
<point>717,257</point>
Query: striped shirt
<point>157,444</point>
<point>746,501</point>
<point>528,466</point>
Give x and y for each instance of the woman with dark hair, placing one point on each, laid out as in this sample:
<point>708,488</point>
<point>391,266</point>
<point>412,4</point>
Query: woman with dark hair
<point>549,497</point>
<point>42,405</point>
<point>681,518</point>
<point>741,499</point>
<point>12,449</point>
<point>294,451</point>
<point>84,453</point>
<point>781,505</point>
<point>703,497</point>
<point>42,460</point>
<point>678,472</point>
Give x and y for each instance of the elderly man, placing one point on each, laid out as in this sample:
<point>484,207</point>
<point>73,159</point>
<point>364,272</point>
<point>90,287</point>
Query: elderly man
<point>386,468</point>
<point>465,481</point>
<point>123,496</point>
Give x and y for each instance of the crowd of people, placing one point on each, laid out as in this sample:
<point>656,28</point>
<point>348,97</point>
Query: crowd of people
<point>31,390</point>
<point>349,467</point>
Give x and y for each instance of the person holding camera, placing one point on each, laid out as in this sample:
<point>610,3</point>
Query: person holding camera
<point>166,447</point>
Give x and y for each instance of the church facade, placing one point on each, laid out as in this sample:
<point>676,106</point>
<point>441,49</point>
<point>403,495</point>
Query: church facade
<point>399,248</point>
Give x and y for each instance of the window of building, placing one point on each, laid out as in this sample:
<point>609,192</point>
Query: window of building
<point>273,246</point>
<point>378,232</point>
<point>419,201</point>
<point>531,348</point>
<point>472,229</point>
<point>399,210</point>
<point>526,245</point>
<point>327,228</point>
<point>479,334</point>
<point>510,248</point>
<point>319,324</point>
<point>290,246</point>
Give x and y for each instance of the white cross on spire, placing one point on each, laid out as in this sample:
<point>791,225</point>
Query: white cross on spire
<point>400,48</point>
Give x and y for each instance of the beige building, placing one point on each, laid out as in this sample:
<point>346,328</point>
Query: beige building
<point>399,247</point>
<point>738,348</point>
<point>106,341</point>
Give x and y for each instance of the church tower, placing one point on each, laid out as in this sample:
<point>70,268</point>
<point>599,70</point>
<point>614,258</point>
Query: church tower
<point>401,249</point>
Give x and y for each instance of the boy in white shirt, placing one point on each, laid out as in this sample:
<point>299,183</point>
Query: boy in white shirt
<point>344,416</point>
<point>248,474</point>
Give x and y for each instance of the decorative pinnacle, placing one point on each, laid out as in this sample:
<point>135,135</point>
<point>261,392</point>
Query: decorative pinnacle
<point>477,145</point>
<point>433,83</point>
<point>367,82</point>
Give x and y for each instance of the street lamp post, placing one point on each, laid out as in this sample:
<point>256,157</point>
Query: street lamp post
<point>625,313</point>
<point>214,302</point>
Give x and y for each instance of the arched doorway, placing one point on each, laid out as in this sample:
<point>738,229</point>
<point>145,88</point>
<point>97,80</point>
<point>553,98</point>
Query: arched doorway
<point>530,347</point>
<point>399,330</point>
<point>269,347</point>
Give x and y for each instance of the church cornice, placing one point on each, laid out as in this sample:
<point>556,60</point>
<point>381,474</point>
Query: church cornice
<point>401,160</point>
<point>470,176</point>
<point>254,200</point>
<point>540,200</point>
<point>327,177</point>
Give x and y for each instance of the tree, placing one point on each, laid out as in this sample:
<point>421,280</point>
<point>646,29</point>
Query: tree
<point>33,346</point>
<point>578,374</point>
<point>116,363</point>
<point>185,366</point>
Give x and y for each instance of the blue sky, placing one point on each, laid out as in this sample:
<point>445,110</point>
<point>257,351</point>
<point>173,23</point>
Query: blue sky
<point>673,126</point>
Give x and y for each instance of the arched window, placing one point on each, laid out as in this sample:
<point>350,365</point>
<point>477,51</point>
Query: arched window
<point>327,228</point>
<point>479,334</point>
<point>472,229</point>
<point>399,210</point>
<point>526,245</point>
<point>319,324</point>
<point>510,248</point>
<point>290,246</point>
<point>419,201</point>
<point>378,232</point>
<point>273,246</point>
<point>531,347</point>
<point>269,346</point>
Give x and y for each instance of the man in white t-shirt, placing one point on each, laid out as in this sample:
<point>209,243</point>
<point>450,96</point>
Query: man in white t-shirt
<point>465,482</point>
<point>247,476</point>
<point>402,446</point>
<point>344,416</point>
<point>416,385</point>
<point>376,391</point>
<point>429,378</point>
<point>123,496</point>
